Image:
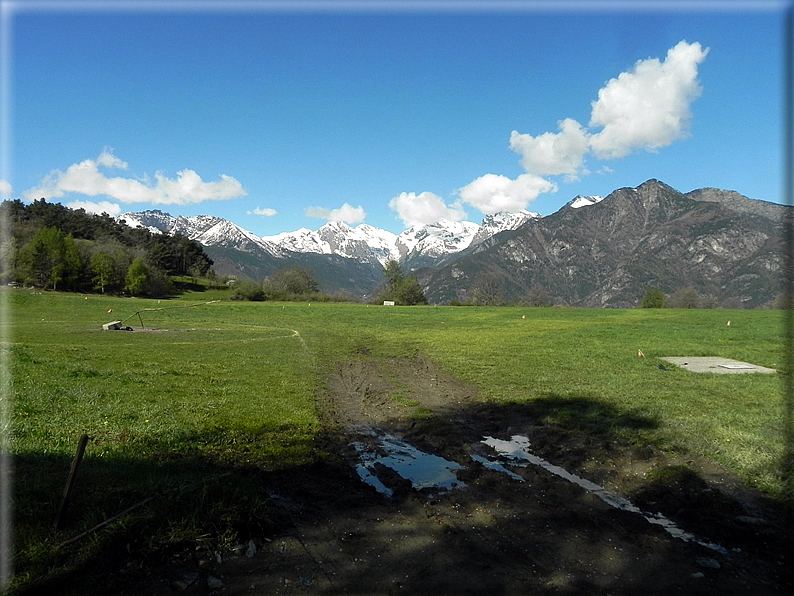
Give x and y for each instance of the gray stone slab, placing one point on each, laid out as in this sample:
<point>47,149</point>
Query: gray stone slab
<point>715,364</point>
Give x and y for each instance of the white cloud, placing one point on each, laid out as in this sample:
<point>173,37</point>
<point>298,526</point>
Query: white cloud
<point>85,178</point>
<point>648,107</point>
<point>493,193</point>
<point>424,208</point>
<point>112,209</point>
<point>108,160</point>
<point>642,109</point>
<point>552,153</point>
<point>266,212</point>
<point>346,213</point>
<point>5,188</point>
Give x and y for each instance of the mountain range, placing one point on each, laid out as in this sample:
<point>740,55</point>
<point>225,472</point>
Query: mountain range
<point>344,258</point>
<point>364,243</point>
<point>593,252</point>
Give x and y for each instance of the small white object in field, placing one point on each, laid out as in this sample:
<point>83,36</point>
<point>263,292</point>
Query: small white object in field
<point>640,354</point>
<point>523,316</point>
<point>729,323</point>
<point>110,310</point>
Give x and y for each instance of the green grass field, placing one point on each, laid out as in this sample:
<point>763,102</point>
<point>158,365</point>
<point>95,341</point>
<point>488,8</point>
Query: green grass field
<point>212,388</point>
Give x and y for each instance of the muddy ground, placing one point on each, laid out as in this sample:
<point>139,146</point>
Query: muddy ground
<point>333,534</point>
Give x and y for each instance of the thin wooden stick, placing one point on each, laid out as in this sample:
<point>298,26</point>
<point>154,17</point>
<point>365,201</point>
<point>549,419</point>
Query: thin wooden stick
<point>104,523</point>
<point>70,481</point>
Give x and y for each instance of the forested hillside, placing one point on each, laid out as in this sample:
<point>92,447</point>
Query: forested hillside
<point>51,246</point>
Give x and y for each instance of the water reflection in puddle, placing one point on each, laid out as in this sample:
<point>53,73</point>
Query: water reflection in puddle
<point>496,466</point>
<point>424,470</point>
<point>517,448</point>
<point>434,473</point>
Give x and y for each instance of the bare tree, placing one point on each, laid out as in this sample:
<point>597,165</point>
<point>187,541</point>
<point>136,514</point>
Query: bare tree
<point>488,289</point>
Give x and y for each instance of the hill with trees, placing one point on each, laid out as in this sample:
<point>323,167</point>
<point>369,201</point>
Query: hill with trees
<point>50,246</point>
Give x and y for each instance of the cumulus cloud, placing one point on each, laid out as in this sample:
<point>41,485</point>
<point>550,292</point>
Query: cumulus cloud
<point>5,188</point>
<point>645,108</point>
<point>552,153</point>
<point>112,209</point>
<point>266,212</point>
<point>493,193</point>
<point>346,213</point>
<point>648,107</point>
<point>424,208</point>
<point>86,179</point>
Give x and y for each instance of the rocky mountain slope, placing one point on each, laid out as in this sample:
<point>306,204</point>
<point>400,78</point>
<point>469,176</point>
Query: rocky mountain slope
<point>721,243</point>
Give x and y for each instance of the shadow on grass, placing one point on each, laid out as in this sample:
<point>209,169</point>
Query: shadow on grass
<point>319,530</point>
<point>587,415</point>
<point>183,497</point>
<point>576,414</point>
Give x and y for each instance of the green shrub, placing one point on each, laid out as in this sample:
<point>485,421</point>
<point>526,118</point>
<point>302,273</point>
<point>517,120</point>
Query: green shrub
<point>247,289</point>
<point>654,298</point>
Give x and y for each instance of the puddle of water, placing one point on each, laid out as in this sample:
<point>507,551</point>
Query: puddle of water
<point>424,470</point>
<point>517,448</point>
<point>367,476</point>
<point>492,465</point>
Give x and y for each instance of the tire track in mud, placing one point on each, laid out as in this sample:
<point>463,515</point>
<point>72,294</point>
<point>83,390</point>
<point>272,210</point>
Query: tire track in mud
<point>369,392</point>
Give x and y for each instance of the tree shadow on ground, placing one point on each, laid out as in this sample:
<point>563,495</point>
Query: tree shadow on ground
<point>317,529</point>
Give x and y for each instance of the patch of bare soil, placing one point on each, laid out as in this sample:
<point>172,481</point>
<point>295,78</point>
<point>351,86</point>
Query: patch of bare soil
<point>333,534</point>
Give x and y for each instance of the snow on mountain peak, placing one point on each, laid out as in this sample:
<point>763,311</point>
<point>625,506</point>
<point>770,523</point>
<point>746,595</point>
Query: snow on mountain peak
<point>502,221</point>
<point>584,201</point>
<point>442,237</point>
<point>155,220</point>
<point>363,242</point>
<point>205,229</point>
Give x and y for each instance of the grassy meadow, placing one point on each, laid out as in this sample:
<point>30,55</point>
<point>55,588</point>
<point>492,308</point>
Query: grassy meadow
<point>215,388</point>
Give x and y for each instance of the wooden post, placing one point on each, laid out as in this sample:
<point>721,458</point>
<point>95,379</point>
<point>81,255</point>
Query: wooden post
<point>78,457</point>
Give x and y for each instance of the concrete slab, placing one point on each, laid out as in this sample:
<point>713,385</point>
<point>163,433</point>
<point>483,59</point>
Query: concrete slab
<point>715,364</point>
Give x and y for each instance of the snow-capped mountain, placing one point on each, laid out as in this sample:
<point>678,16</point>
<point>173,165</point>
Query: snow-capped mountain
<point>584,201</point>
<point>421,245</point>
<point>154,220</point>
<point>302,240</point>
<point>435,240</point>
<point>364,242</point>
<point>500,222</point>
<point>205,229</point>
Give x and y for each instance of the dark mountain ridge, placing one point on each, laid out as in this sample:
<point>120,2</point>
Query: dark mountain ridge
<point>726,246</point>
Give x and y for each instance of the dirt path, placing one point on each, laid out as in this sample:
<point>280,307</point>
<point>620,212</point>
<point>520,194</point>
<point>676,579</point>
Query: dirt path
<point>334,534</point>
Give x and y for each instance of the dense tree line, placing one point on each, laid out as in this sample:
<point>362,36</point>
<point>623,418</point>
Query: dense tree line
<point>53,247</point>
<point>296,284</point>
<point>687,297</point>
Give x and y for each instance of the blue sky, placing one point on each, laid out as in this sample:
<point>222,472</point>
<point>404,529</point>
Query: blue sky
<point>279,119</point>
